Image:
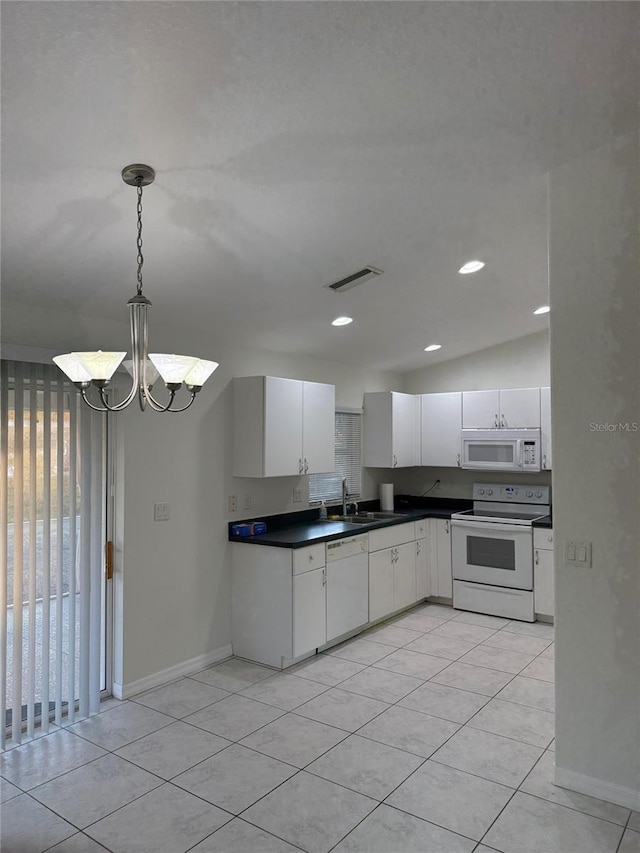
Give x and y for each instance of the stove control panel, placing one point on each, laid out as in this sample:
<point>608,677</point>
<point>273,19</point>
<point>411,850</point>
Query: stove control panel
<point>507,493</point>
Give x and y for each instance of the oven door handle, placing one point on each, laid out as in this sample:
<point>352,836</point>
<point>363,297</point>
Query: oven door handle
<point>480,527</point>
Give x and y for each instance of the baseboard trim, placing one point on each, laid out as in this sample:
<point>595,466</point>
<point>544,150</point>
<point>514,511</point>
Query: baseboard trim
<point>612,793</point>
<point>157,679</point>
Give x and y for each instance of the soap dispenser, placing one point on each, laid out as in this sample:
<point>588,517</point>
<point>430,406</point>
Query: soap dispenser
<point>323,510</point>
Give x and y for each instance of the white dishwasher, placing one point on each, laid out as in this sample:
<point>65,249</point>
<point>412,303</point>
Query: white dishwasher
<point>347,582</point>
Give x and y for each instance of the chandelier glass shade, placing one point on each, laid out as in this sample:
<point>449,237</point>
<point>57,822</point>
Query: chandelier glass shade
<point>87,369</point>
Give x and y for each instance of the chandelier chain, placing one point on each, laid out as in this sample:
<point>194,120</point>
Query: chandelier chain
<point>139,239</point>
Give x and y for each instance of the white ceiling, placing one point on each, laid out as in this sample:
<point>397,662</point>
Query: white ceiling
<point>294,143</point>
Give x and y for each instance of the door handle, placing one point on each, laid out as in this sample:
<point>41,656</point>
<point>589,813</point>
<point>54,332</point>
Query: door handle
<point>458,460</point>
<point>306,465</point>
<point>495,420</point>
<point>537,558</point>
<point>502,422</point>
<point>395,460</point>
<point>544,461</point>
<point>446,526</point>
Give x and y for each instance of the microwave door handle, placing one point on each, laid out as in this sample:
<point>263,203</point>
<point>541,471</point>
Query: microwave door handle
<point>520,453</point>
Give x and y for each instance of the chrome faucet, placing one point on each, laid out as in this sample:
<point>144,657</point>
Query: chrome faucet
<point>345,495</point>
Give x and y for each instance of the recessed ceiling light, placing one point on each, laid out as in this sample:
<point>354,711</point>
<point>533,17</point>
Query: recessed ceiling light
<point>432,347</point>
<point>471,266</point>
<point>342,321</point>
<point>543,309</point>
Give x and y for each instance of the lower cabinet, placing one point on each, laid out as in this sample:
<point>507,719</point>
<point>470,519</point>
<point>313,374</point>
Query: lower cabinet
<point>442,580</point>
<point>393,570</point>
<point>288,602</point>
<point>543,572</point>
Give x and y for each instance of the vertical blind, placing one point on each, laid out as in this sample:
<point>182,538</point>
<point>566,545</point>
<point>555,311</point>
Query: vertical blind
<point>52,588</point>
<point>347,461</point>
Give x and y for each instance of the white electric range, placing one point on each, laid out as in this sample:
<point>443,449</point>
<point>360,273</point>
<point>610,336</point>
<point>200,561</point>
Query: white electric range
<point>492,549</point>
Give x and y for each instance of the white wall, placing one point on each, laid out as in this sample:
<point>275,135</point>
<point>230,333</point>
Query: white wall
<point>522,363</point>
<point>595,369</point>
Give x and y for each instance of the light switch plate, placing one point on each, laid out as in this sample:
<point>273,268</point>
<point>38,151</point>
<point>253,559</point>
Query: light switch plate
<point>161,511</point>
<point>578,554</point>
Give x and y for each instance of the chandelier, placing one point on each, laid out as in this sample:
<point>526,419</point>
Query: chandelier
<point>85,369</point>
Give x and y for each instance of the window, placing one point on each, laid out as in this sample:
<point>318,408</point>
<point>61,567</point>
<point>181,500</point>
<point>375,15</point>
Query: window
<point>347,463</point>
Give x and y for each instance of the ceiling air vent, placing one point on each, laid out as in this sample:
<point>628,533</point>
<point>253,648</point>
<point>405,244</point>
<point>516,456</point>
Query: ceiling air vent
<point>354,279</point>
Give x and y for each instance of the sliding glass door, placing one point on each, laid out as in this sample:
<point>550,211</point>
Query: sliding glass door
<point>53,587</point>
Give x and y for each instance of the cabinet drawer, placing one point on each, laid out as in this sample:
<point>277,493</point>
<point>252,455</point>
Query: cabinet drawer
<point>543,538</point>
<point>388,537</point>
<point>306,559</point>
<point>421,528</point>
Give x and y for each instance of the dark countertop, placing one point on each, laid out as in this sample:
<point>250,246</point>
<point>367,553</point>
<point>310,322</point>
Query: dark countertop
<point>297,530</point>
<point>547,521</point>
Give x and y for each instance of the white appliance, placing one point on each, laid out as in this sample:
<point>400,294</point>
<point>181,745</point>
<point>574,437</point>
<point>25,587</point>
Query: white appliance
<point>501,449</point>
<point>347,581</point>
<point>492,550</point>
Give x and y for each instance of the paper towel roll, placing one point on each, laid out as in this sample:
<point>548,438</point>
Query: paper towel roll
<point>386,497</point>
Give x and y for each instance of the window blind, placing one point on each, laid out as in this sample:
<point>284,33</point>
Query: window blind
<point>51,544</point>
<point>348,432</point>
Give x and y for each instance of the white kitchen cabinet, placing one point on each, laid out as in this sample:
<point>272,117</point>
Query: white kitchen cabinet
<point>543,572</point>
<point>309,620</point>
<point>441,578</point>
<point>390,429</point>
<point>440,424</point>
<point>520,408</point>
<point>404,576</point>
<point>381,600</point>
<point>545,427</point>
<point>423,561</point>
<point>508,408</point>
<point>392,569</point>
<point>282,427</point>
<point>480,409</point>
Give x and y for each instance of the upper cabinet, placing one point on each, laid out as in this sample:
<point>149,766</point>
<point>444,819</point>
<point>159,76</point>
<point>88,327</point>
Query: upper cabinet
<point>510,408</point>
<point>545,427</point>
<point>440,423</point>
<point>390,430</point>
<point>282,427</point>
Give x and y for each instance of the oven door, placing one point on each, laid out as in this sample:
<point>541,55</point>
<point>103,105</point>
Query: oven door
<point>492,553</point>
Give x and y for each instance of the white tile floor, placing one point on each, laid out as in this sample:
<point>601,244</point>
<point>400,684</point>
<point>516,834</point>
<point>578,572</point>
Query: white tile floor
<point>433,732</point>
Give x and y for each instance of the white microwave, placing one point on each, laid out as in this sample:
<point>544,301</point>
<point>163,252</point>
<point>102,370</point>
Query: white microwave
<point>501,449</point>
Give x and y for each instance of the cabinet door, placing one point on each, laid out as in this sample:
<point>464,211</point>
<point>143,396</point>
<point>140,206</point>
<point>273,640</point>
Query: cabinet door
<point>480,409</point>
<point>520,408</point>
<point>443,550</point>
<point>543,592</point>
<point>318,422</point>
<point>309,616</point>
<point>405,430</point>
<point>380,584</point>
<point>423,570</point>
<point>347,595</point>
<point>404,575</point>
<point>545,427</point>
<point>282,427</point>
<point>440,424</point>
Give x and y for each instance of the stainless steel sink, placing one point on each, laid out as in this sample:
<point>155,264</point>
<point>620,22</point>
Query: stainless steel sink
<point>369,517</point>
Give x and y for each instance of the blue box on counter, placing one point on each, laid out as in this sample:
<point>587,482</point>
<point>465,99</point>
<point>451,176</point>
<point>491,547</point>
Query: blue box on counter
<point>249,528</point>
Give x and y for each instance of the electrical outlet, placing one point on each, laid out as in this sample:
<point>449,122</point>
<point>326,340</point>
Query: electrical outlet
<point>297,496</point>
<point>246,502</point>
<point>233,503</point>
<point>161,511</point>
